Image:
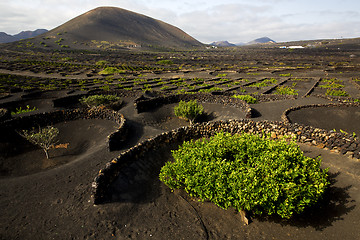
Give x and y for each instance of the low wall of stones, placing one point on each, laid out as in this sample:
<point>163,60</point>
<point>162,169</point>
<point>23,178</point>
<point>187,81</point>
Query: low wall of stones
<point>338,142</point>
<point>265,97</point>
<point>4,114</point>
<point>285,118</point>
<point>115,140</point>
<point>143,105</point>
<point>336,98</point>
<point>74,99</point>
<point>356,84</point>
<point>68,100</point>
<point>312,88</point>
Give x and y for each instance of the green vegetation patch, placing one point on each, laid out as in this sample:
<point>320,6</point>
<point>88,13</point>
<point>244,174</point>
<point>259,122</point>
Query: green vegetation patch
<point>111,70</point>
<point>247,172</point>
<point>189,110</point>
<point>209,90</point>
<point>44,138</point>
<point>99,100</point>
<point>246,98</point>
<point>331,83</point>
<point>221,75</point>
<point>23,110</point>
<point>102,63</point>
<point>285,90</point>
<point>285,75</point>
<point>335,92</point>
<point>165,62</point>
<point>264,83</point>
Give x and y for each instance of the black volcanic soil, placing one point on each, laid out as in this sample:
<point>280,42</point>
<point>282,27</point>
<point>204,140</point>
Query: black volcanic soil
<point>50,199</point>
<point>329,118</point>
<point>82,136</point>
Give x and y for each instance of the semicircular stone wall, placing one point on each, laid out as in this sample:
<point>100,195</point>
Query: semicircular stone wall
<point>338,142</point>
<point>115,140</point>
<point>143,105</point>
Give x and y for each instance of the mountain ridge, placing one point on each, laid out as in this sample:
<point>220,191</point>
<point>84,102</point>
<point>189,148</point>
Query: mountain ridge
<point>7,38</point>
<point>262,40</point>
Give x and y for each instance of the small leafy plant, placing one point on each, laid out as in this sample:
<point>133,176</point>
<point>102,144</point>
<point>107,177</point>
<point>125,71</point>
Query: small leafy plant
<point>247,172</point>
<point>285,90</point>
<point>221,75</point>
<point>99,100</point>
<point>44,138</point>
<point>332,83</point>
<point>285,75</point>
<point>246,98</point>
<point>25,110</point>
<point>102,63</point>
<point>189,110</point>
<point>111,70</point>
<point>264,83</point>
<point>165,62</point>
<point>335,92</point>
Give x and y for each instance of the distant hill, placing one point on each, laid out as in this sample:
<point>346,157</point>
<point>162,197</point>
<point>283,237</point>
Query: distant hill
<point>256,41</point>
<point>6,38</point>
<point>110,27</point>
<point>261,41</point>
<point>222,44</point>
<point>30,34</point>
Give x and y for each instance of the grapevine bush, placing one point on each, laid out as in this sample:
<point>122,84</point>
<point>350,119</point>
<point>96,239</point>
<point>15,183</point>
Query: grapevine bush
<point>44,138</point>
<point>247,172</point>
<point>189,110</point>
<point>99,100</point>
<point>247,98</point>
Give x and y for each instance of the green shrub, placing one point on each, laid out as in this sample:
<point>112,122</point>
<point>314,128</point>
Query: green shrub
<point>111,70</point>
<point>285,75</point>
<point>99,100</point>
<point>165,88</point>
<point>165,62</point>
<point>264,83</point>
<point>25,110</point>
<point>334,92</point>
<point>44,138</point>
<point>285,90</point>
<point>102,63</point>
<point>247,172</point>
<point>189,110</point>
<point>246,98</point>
<point>221,75</point>
<point>331,85</point>
<point>209,90</point>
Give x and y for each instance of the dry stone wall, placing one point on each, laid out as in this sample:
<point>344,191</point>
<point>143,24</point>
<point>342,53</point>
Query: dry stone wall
<point>145,104</point>
<point>4,114</point>
<point>338,142</point>
<point>115,140</point>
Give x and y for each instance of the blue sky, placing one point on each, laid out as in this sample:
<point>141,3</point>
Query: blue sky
<point>212,20</point>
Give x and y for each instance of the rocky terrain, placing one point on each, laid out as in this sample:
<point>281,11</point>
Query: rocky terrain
<point>311,94</point>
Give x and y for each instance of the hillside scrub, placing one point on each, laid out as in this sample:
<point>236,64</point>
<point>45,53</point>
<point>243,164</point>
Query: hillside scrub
<point>247,172</point>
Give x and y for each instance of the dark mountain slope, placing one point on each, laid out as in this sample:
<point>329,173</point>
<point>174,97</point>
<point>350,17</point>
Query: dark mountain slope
<point>118,25</point>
